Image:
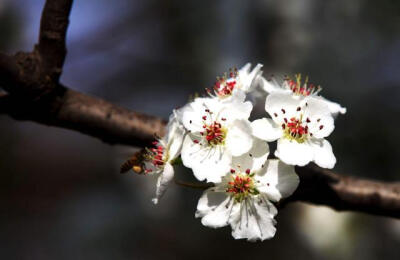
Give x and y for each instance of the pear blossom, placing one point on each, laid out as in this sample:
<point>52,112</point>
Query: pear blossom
<point>159,159</point>
<point>300,126</point>
<point>216,131</point>
<point>236,80</point>
<point>303,90</point>
<point>243,199</point>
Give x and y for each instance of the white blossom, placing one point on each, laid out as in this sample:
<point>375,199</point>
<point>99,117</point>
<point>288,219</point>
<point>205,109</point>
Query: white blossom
<point>300,126</point>
<point>216,131</point>
<point>301,89</point>
<point>245,80</point>
<point>158,160</point>
<point>243,198</point>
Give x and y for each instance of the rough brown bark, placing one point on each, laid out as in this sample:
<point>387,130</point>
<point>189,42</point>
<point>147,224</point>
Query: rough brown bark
<point>34,93</point>
<point>341,192</point>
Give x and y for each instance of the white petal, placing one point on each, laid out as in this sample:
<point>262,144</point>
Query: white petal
<point>334,108</point>
<point>207,162</point>
<point>245,69</point>
<point>247,78</point>
<point>174,137</point>
<point>283,104</point>
<point>321,121</point>
<point>191,119</point>
<point>235,108</point>
<point>277,180</point>
<point>192,115</point>
<point>254,220</point>
<point>214,208</point>
<point>253,159</point>
<point>175,146</point>
<point>266,129</point>
<point>294,153</point>
<point>323,154</point>
<point>269,86</point>
<point>163,181</point>
<point>322,126</point>
<point>238,138</point>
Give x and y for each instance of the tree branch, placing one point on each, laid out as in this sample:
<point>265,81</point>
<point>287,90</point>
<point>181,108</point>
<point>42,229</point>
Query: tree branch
<point>340,192</point>
<point>52,36</point>
<point>34,93</point>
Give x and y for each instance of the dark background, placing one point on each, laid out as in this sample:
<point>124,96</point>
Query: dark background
<point>61,196</point>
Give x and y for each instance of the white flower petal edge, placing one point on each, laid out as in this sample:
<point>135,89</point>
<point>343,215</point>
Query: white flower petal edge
<point>239,139</point>
<point>218,131</point>
<point>242,200</point>
<point>159,158</point>
<point>245,80</point>
<point>300,125</point>
<point>266,129</point>
<point>323,154</point>
<point>254,159</point>
<point>163,181</point>
<point>207,163</point>
<point>335,108</point>
<point>270,86</point>
<point>254,220</point>
<point>294,153</point>
<point>303,91</point>
<point>249,78</point>
<point>282,180</point>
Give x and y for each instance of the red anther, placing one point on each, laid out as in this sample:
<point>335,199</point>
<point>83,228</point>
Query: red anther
<point>308,120</point>
<point>204,117</point>
<point>232,171</point>
<point>196,141</point>
<point>155,142</point>
<point>207,110</point>
<point>283,126</point>
<point>248,171</point>
<point>283,110</point>
<point>223,119</point>
<point>285,119</point>
<point>320,127</point>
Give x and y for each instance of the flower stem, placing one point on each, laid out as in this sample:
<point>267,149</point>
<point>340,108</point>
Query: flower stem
<point>201,186</point>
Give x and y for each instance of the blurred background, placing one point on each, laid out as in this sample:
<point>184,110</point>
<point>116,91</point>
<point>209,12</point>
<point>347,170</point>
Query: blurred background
<point>61,193</point>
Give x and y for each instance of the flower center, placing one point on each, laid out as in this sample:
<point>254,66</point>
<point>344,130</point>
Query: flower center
<point>156,156</point>
<point>295,129</point>
<point>302,88</point>
<point>214,133</point>
<point>225,85</point>
<point>241,186</point>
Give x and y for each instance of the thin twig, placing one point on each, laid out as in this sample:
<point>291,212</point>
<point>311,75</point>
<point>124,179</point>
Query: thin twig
<point>200,186</point>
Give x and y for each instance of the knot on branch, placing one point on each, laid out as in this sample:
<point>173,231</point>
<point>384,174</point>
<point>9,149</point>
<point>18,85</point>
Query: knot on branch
<point>34,82</point>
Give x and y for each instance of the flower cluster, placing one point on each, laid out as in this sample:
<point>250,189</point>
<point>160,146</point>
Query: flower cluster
<point>213,137</point>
